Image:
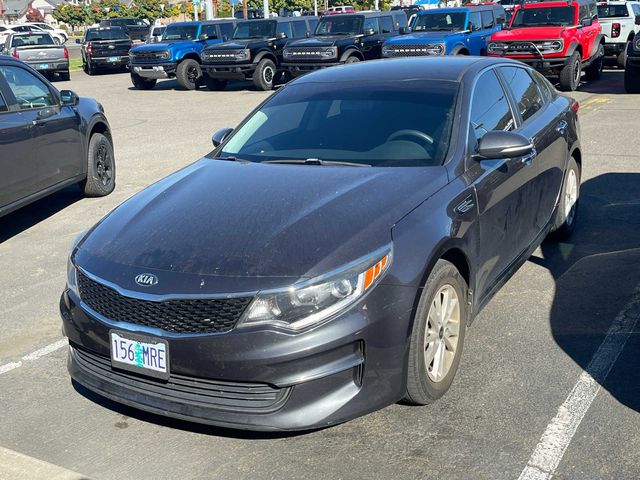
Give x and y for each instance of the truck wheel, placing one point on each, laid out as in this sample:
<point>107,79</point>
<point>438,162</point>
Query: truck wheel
<point>264,75</point>
<point>91,70</point>
<point>142,83</point>
<point>352,59</point>
<point>593,71</point>
<point>622,58</point>
<point>64,76</point>
<point>570,73</point>
<point>632,79</point>
<point>214,84</point>
<point>101,167</point>
<point>188,74</point>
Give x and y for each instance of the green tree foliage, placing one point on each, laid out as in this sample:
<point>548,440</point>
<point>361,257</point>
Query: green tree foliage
<point>73,15</point>
<point>149,9</point>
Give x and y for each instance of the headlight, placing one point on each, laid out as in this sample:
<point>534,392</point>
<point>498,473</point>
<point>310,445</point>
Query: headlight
<point>436,49</point>
<point>496,47</point>
<point>72,271</point>
<point>551,45</point>
<point>242,55</point>
<point>331,52</point>
<point>314,301</point>
<point>166,55</point>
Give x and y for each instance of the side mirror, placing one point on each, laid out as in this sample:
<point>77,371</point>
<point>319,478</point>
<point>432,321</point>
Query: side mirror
<point>404,30</point>
<point>368,31</point>
<point>68,98</point>
<point>281,36</point>
<point>586,22</point>
<point>637,19</point>
<point>78,40</point>
<point>501,144</point>
<point>220,136</point>
<point>473,28</point>
<point>204,36</point>
<point>307,34</point>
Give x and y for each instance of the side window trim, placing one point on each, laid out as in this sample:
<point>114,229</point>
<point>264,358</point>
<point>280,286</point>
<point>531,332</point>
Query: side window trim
<point>514,102</point>
<point>14,104</point>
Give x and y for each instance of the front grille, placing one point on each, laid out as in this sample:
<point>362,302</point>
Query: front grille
<point>149,56</point>
<point>304,53</point>
<point>406,50</point>
<point>201,392</point>
<point>221,55</point>
<point>523,48</point>
<point>175,316</point>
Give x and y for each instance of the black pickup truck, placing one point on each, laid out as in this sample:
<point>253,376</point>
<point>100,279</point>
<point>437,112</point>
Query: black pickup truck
<point>344,38</point>
<point>254,52</point>
<point>136,28</point>
<point>104,48</point>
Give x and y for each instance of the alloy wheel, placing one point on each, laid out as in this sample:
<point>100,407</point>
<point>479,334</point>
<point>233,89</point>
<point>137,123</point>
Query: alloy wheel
<point>192,74</point>
<point>104,168</point>
<point>267,75</point>
<point>442,333</point>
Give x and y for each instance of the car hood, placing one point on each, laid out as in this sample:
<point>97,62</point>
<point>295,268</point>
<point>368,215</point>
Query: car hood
<point>224,218</point>
<point>421,37</point>
<point>324,41</point>
<point>529,33</point>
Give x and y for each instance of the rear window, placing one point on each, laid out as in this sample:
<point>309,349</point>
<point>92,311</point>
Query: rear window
<point>111,34</point>
<point>33,39</point>
<point>612,11</point>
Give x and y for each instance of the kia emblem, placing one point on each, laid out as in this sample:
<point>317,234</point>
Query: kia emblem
<point>146,279</point>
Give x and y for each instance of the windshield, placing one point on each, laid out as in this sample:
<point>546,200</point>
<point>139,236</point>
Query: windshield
<point>33,39</point>
<point>111,34</point>
<point>351,25</point>
<point>535,17</point>
<point>180,32</point>
<point>351,124</point>
<point>611,11</point>
<point>255,29</point>
<point>451,21</point>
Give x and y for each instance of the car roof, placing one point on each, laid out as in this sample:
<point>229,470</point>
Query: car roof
<point>364,14</point>
<point>447,68</point>
<point>115,27</point>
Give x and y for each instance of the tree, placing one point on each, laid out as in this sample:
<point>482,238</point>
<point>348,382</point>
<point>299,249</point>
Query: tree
<point>70,14</point>
<point>149,9</point>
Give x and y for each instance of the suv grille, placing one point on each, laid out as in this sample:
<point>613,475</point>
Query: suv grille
<point>175,316</point>
<point>406,50</point>
<point>221,55</point>
<point>524,48</point>
<point>304,53</point>
<point>201,392</point>
<point>149,56</point>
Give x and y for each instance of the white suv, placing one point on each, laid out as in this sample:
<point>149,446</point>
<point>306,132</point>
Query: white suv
<point>56,33</point>
<point>620,23</point>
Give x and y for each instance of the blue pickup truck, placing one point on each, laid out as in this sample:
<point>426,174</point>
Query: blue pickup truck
<point>447,31</point>
<point>177,54</point>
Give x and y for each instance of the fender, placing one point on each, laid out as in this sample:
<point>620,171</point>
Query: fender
<point>265,53</point>
<point>457,48</point>
<point>96,119</point>
<point>572,48</point>
<point>349,52</point>
<point>183,52</point>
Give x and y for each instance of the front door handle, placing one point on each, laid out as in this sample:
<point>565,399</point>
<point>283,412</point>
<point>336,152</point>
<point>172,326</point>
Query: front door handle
<point>561,128</point>
<point>528,159</point>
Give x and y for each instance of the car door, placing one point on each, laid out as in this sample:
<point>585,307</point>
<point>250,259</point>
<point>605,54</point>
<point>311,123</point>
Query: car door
<point>372,44</point>
<point>488,28</point>
<point>541,123</point>
<point>387,29</point>
<point>278,45</point>
<point>503,186</point>
<point>57,147</point>
<point>475,41</point>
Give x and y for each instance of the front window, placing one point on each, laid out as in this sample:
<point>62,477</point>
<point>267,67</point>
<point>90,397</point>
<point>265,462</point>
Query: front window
<point>30,92</point>
<point>351,25</point>
<point>33,39</point>
<point>255,29</point>
<point>612,11</point>
<point>326,122</point>
<point>180,32</point>
<point>544,16</point>
<point>111,34</point>
<point>447,22</point>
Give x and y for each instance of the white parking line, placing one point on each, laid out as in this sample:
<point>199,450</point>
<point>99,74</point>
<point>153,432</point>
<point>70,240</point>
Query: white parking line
<point>41,352</point>
<point>554,441</point>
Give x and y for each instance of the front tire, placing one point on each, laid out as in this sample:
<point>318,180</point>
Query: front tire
<point>567,210</point>
<point>142,83</point>
<point>65,76</point>
<point>594,71</point>
<point>438,334</point>
<point>351,59</point>
<point>570,73</point>
<point>264,75</point>
<point>101,167</point>
<point>189,74</point>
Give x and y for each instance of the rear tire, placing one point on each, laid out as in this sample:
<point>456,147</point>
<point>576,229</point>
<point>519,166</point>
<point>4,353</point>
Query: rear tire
<point>437,339</point>
<point>65,76</point>
<point>622,57</point>
<point>214,84</point>
<point>189,74</point>
<point>91,70</point>
<point>567,210</point>
<point>264,75</point>
<point>101,167</point>
<point>570,73</point>
<point>632,79</point>
<point>142,83</point>
<point>594,71</point>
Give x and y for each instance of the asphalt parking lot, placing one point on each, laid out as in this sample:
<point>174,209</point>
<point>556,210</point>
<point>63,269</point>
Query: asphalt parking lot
<point>521,374</point>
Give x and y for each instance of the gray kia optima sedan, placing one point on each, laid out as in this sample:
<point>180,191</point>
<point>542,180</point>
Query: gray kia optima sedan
<point>326,258</point>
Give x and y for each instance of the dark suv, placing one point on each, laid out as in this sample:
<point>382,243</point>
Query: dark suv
<point>341,39</point>
<point>136,28</point>
<point>254,52</point>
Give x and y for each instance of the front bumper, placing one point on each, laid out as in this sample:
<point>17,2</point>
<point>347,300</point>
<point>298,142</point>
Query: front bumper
<point>158,71</point>
<point>242,71</point>
<point>347,367</point>
<point>117,61</point>
<point>296,69</point>
<point>546,64</point>
<point>48,66</point>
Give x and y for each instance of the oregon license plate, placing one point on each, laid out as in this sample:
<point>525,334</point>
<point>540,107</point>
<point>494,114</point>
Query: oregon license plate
<point>112,59</point>
<point>42,66</point>
<point>141,354</point>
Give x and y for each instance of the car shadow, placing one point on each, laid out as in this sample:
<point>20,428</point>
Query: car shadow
<point>596,273</point>
<point>34,213</point>
<point>182,424</point>
<point>610,83</point>
<point>172,84</point>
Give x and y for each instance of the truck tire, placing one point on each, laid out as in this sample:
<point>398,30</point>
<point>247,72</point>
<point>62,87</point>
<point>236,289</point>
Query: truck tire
<point>622,57</point>
<point>594,71</point>
<point>189,74</point>
<point>101,167</point>
<point>65,76</point>
<point>632,79</point>
<point>91,70</point>
<point>214,84</point>
<point>264,74</point>
<point>142,83</point>
<point>351,59</point>
<point>570,73</point>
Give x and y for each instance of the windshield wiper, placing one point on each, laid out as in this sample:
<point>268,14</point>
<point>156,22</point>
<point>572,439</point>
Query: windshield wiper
<point>317,161</point>
<point>231,159</point>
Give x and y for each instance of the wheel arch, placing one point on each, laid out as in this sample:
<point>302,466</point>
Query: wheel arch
<point>573,47</point>
<point>351,52</point>
<point>188,55</point>
<point>459,49</point>
<point>266,54</point>
<point>97,124</point>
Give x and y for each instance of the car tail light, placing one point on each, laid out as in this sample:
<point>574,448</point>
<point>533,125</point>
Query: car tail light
<point>575,106</point>
<point>615,30</point>
<point>15,53</point>
<point>89,49</point>
<point>66,53</point>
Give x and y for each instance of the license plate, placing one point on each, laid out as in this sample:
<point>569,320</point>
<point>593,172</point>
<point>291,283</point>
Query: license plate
<point>43,66</point>
<point>141,354</point>
<point>113,59</point>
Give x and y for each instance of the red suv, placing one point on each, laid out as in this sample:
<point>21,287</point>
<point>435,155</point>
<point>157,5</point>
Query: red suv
<point>557,38</point>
